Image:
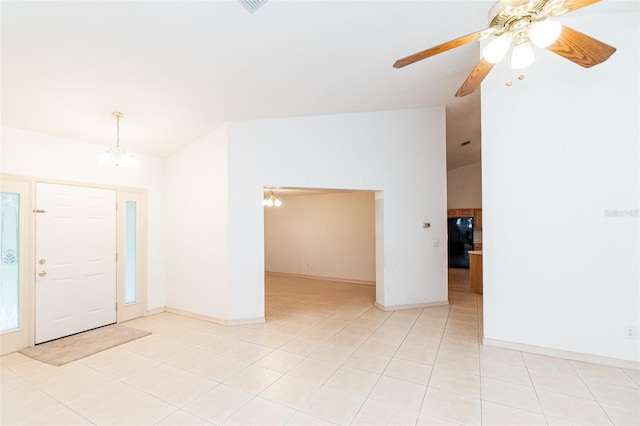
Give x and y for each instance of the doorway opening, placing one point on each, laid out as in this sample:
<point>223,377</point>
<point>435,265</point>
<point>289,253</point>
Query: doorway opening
<point>320,252</point>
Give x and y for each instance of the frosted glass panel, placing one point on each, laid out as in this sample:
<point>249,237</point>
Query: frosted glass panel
<point>9,261</point>
<point>131,265</point>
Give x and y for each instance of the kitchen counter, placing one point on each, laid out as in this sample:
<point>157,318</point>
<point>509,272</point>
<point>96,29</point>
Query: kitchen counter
<point>475,270</point>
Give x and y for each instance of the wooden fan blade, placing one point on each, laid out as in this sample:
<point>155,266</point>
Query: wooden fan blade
<point>461,41</point>
<point>580,48</point>
<point>572,5</point>
<point>475,78</point>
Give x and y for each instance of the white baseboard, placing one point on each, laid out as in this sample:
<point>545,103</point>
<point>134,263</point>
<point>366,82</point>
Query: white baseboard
<point>154,311</point>
<point>317,277</point>
<point>558,353</point>
<point>410,306</point>
<point>246,321</point>
<point>242,321</point>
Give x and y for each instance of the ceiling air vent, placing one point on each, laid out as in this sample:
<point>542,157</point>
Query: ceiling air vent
<point>252,5</point>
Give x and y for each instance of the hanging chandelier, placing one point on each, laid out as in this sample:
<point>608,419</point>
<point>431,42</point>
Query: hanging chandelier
<point>116,155</point>
<point>271,200</point>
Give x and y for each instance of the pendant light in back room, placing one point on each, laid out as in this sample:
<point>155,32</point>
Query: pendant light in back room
<point>271,200</point>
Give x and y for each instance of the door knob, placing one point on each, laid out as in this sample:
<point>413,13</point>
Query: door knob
<point>42,273</point>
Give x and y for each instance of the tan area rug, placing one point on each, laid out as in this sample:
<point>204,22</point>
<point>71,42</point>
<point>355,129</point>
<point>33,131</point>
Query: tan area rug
<point>67,349</point>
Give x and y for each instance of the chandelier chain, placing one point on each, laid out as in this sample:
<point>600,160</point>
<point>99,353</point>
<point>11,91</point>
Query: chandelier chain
<point>117,115</point>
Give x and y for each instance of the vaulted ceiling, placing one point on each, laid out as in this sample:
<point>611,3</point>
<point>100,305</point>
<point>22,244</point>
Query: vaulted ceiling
<point>177,69</point>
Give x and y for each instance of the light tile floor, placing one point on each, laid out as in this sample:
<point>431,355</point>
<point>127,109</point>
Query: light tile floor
<point>324,356</point>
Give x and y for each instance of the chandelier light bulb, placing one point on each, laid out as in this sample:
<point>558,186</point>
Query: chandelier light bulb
<point>125,160</point>
<point>522,56</point>
<point>495,51</point>
<point>105,158</point>
<point>544,33</point>
<point>271,201</point>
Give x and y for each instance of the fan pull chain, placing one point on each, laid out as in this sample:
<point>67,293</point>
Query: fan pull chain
<point>509,82</point>
<point>509,74</point>
<point>508,71</point>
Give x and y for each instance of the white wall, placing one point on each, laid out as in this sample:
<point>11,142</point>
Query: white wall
<point>197,204</point>
<point>401,153</point>
<point>560,149</point>
<point>47,157</point>
<point>325,235</point>
<point>464,187</point>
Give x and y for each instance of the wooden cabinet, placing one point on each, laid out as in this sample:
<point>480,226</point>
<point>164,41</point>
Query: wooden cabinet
<point>475,272</point>
<point>476,214</point>
<point>477,218</point>
<point>460,213</point>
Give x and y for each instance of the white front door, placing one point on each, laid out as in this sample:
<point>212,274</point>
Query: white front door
<point>75,259</point>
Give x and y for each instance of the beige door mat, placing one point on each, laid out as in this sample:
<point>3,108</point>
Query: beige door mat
<point>72,348</point>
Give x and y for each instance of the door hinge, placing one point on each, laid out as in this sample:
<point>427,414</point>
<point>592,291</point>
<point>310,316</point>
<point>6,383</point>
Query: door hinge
<point>116,306</point>
<point>116,257</point>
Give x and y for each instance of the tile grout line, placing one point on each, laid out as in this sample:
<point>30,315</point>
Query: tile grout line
<point>305,357</point>
<point>480,320</point>
<point>357,348</point>
<point>575,370</point>
<point>535,389</point>
<point>273,350</point>
<point>437,352</point>
<point>390,358</point>
<point>339,365</point>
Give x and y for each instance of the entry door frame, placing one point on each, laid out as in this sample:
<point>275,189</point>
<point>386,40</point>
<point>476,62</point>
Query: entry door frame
<point>27,303</point>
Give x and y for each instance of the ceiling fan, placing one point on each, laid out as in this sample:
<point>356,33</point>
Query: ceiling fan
<point>518,23</point>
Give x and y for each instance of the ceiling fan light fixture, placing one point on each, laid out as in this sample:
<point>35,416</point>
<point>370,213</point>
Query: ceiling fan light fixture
<point>544,33</point>
<point>495,51</point>
<point>522,56</point>
<point>525,22</point>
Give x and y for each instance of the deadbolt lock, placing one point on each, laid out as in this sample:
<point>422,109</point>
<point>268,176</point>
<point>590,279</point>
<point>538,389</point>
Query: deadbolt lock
<point>42,261</point>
